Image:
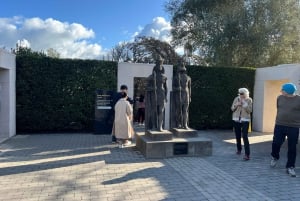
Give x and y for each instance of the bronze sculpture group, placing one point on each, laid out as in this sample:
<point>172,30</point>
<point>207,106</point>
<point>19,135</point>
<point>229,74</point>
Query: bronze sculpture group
<point>156,97</point>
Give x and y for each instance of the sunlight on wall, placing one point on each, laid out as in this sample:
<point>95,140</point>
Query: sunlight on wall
<point>272,91</point>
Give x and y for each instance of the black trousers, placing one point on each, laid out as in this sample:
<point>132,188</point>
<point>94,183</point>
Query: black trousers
<point>292,134</point>
<point>241,130</point>
<point>141,115</point>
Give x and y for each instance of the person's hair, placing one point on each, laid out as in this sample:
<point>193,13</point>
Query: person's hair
<point>141,99</point>
<point>123,94</point>
<point>123,87</point>
<point>244,91</point>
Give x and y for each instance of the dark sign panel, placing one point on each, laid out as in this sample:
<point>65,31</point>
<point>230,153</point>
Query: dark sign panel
<point>104,116</point>
<point>103,102</point>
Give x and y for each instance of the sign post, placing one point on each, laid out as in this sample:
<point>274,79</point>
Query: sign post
<point>103,112</point>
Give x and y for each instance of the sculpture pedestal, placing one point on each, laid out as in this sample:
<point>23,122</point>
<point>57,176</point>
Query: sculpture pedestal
<point>159,135</point>
<point>184,133</point>
<point>196,146</point>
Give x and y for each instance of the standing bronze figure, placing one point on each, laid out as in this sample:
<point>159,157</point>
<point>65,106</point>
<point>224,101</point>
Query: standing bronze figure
<point>182,97</point>
<point>156,97</point>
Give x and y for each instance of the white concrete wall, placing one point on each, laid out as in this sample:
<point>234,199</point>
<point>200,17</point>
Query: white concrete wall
<point>127,72</point>
<point>7,95</point>
<point>268,82</point>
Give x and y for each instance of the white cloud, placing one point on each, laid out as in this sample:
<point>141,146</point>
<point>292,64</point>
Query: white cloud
<point>23,43</point>
<point>71,40</point>
<point>158,29</point>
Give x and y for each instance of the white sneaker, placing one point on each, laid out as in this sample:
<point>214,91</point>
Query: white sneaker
<point>127,143</point>
<point>273,162</point>
<point>291,171</point>
<point>121,146</point>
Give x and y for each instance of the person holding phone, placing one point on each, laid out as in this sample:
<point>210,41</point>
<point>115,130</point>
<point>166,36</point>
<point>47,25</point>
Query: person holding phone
<point>241,116</point>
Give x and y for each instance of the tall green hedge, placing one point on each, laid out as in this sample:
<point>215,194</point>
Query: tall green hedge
<point>213,90</point>
<point>56,95</point>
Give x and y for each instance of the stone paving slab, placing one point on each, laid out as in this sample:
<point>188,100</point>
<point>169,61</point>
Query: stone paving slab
<point>88,167</point>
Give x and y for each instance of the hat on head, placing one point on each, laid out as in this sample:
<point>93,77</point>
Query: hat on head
<point>289,88</point>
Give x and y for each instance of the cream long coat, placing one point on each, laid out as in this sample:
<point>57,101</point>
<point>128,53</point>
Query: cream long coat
<point>122,127</point>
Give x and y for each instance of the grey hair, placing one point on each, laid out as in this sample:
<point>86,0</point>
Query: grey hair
<point>245,91</point>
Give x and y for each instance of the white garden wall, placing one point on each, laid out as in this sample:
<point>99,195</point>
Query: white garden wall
<point>7,95</point>
<point>268,82</point>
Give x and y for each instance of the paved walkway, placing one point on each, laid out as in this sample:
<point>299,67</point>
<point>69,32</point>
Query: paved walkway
<point>88,167</point>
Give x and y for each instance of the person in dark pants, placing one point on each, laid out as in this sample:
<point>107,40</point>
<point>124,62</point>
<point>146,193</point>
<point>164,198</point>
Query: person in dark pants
<point>287,124</point>
<point>241,116</point>
<point>116,98</point>
<point>141,110</point>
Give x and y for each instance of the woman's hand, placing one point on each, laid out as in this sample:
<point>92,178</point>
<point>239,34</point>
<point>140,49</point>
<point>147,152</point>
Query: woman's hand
<point>244,104</point>
<point>239,103</point>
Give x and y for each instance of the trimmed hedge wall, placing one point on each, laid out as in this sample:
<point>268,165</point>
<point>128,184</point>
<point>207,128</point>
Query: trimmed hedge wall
<point>56,95</point>
<point>213,90</point>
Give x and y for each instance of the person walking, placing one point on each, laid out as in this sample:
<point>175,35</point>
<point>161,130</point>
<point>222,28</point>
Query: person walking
<point>116,98</point>
<point>241,116</point>
<point>122,128</point>
<point>287,124</point>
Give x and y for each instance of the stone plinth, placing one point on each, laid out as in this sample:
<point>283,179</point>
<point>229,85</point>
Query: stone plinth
<point>184,133</point>
<point>196,146</point>
<point>159,135</point>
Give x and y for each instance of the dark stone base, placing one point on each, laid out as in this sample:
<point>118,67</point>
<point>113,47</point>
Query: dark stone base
<point>159,135</point>
<point>184,133</point>
<point>197,146</point>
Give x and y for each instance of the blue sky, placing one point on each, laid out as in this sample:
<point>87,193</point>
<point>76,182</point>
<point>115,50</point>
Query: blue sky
<point>80,29</point>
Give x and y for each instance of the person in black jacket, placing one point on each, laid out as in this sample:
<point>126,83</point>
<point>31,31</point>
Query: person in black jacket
<point>116,98</point>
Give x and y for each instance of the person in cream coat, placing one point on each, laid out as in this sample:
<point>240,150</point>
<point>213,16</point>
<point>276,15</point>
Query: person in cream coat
<point>241,116</point>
